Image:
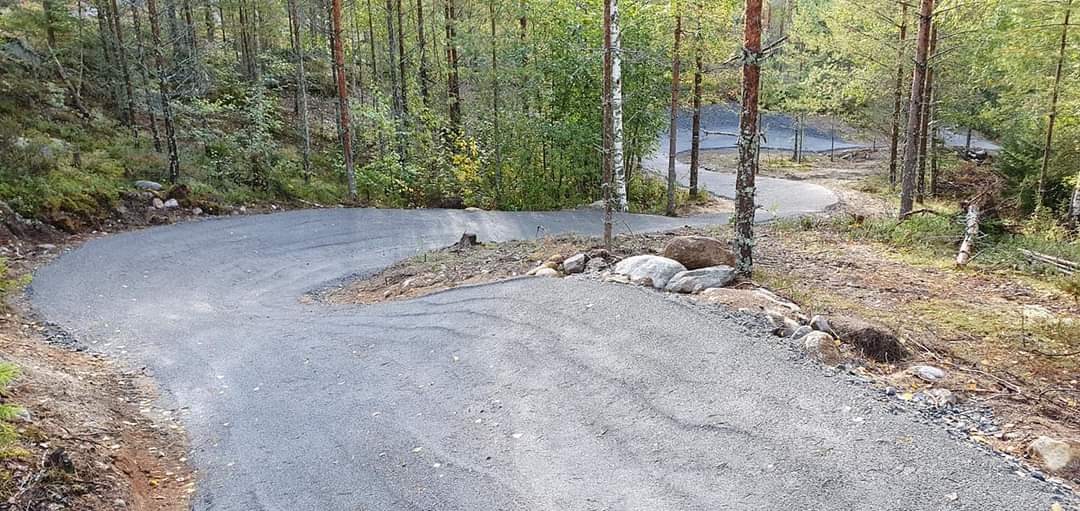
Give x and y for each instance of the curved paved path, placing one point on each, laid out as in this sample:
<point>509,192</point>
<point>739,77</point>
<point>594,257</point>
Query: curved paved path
<point>528,394</point>
<point>560,394</point>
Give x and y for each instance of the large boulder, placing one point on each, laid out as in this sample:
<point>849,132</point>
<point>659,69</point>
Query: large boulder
<point>699,252</point>
<point>658,270</point>
<point>696,281</point>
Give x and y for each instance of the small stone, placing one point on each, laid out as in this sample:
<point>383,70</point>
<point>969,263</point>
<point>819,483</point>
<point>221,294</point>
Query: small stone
<point>472,209</point>
<point>1055,454</point>
<point>555,258</point>
<point>929,373</point>
<point>171,204</point>
<point>147,185</point>
<point>595,264</point>
<point>196,211</point>
<point>890,391</point>
<point>575,264</point>
<point>158,203</point>
<point>941,397</point>
<point>820,323</point>
<point>242,210</point>
<point>46,246</point>
<point>546,272</point>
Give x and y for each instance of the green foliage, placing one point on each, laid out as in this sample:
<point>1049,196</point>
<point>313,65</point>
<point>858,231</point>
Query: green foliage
<point>8,412</point>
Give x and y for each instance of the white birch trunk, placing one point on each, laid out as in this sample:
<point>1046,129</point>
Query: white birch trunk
<point>617,156</point>
<point>971,231</point>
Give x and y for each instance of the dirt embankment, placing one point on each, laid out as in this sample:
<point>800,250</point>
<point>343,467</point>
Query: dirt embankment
<point>91,436</point>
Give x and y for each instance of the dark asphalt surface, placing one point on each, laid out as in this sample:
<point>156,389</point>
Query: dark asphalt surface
<point>531,394</point>
<point>528,394</point>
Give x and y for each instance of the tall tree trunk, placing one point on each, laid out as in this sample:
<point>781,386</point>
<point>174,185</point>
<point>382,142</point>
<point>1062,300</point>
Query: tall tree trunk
<point>618,157</point>
<point>301,86</point>
<point>898,93</point>
<point>748,142</point>
<point>673,136</point>
<point>924,128</point>
<point>396,82</point>
<point>605,157</point>
<point>918,80</point>
<point>129,89</point>
<point>150,110</point>
<point>422,42</point>
<point>163,89</point>
<point>48,9</point>
<point>495,106</point>
<point>371,48</point>
<point>695,128</point>
<point>453,85</point>
<point>343,97</point>
<point>402,76</point>
<point>1040,198</point>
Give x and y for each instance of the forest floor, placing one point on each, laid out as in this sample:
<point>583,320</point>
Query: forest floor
<point>92,435</point>
<point>1010,339</point>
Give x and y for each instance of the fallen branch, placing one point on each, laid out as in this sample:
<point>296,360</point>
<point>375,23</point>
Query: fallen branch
<point>910,214</point>
<point>1063,265</point>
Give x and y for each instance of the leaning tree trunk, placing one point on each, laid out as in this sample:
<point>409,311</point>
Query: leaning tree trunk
<point>1040,197</point>
<point>673,136</point>
<point>971,231</point>
<point>748,141</point>
<point>129,89</point>
<point>898,93</point>
<point>343,98</point>
<point>922,47</point>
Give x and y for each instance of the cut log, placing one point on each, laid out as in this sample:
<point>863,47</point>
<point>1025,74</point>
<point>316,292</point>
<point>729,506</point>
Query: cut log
<point>971,231</point>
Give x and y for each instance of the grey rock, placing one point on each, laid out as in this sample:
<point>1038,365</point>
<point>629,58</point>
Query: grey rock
<point>821,345</point>
<point>575,264</point>
<point>772,297</point>
<point>196,211</point>
<point>658,270</point>
<point>695,281</point>
<point>158,203</point>
<point>819,323</point>
<point>171,204</point>
<point>800,332</point>
<point>1055,454</point>
<point>147,185</point>
<point>929,373</point>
